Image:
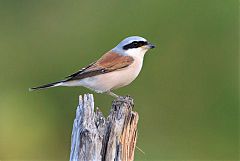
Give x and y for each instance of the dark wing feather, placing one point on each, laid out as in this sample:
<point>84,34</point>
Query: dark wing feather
<point>80,71</point>
<point>107,63</point>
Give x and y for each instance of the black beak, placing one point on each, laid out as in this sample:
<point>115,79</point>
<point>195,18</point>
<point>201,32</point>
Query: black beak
<point>151,46</point>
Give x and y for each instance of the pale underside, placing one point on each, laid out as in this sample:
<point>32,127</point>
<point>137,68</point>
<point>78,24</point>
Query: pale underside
<point>109,81</point>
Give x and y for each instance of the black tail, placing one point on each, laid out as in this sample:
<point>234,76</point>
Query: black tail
<point>54,84</point>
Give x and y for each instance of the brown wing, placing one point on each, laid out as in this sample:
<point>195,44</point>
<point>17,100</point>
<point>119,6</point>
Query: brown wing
<point>107,63</point>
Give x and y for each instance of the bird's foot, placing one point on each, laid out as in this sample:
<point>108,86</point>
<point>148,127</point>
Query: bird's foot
<point>112,94</point>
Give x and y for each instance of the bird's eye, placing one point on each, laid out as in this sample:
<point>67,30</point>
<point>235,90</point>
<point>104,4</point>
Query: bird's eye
<point>135,43</point>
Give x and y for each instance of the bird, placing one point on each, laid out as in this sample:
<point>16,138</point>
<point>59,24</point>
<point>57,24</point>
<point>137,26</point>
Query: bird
<point>116,68</point>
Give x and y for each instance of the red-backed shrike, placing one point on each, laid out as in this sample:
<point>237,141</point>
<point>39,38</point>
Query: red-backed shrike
<point>116,68</point>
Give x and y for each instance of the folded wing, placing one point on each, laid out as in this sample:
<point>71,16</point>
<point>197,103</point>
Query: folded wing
<point>107,63</point>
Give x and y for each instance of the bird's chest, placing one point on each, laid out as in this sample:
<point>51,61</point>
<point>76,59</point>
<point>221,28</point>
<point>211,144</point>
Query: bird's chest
<point>133,70</point>
<point>126,76</point>
<point>115,79</point>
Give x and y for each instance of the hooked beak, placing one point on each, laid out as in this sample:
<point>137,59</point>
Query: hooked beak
<point>150,46</point>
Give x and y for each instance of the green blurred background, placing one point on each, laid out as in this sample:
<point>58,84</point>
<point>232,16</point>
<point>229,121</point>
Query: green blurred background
<point>186,94</point>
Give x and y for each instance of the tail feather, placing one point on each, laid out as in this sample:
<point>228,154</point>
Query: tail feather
<point>50,85</point>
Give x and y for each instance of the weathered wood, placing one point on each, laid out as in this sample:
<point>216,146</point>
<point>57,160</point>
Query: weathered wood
<point>96,138</point>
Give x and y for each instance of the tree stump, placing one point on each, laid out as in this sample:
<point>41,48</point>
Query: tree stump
<point>96,138</point>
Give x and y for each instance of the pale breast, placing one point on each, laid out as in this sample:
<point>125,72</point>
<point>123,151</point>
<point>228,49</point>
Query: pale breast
<point>115,79</point>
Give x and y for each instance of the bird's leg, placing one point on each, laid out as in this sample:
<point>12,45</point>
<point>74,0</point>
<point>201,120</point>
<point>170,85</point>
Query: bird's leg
<point>112,94</point>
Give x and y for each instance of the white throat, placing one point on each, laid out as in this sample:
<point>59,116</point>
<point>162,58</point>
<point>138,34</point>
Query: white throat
<point>136,52</point>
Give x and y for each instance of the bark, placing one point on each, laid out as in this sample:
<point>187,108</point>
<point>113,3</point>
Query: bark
<point>96,138</point>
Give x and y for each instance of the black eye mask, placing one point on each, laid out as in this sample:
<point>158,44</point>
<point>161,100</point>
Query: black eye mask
<point>135,44</point>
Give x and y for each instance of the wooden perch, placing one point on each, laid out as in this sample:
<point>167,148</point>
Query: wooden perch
<point>95,138</point>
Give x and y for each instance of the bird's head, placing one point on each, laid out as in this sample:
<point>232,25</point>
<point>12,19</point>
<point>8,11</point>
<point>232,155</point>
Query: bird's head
<point>135,46</point>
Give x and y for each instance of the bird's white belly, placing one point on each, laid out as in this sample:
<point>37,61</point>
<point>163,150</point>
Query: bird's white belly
<point>112,80</point>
